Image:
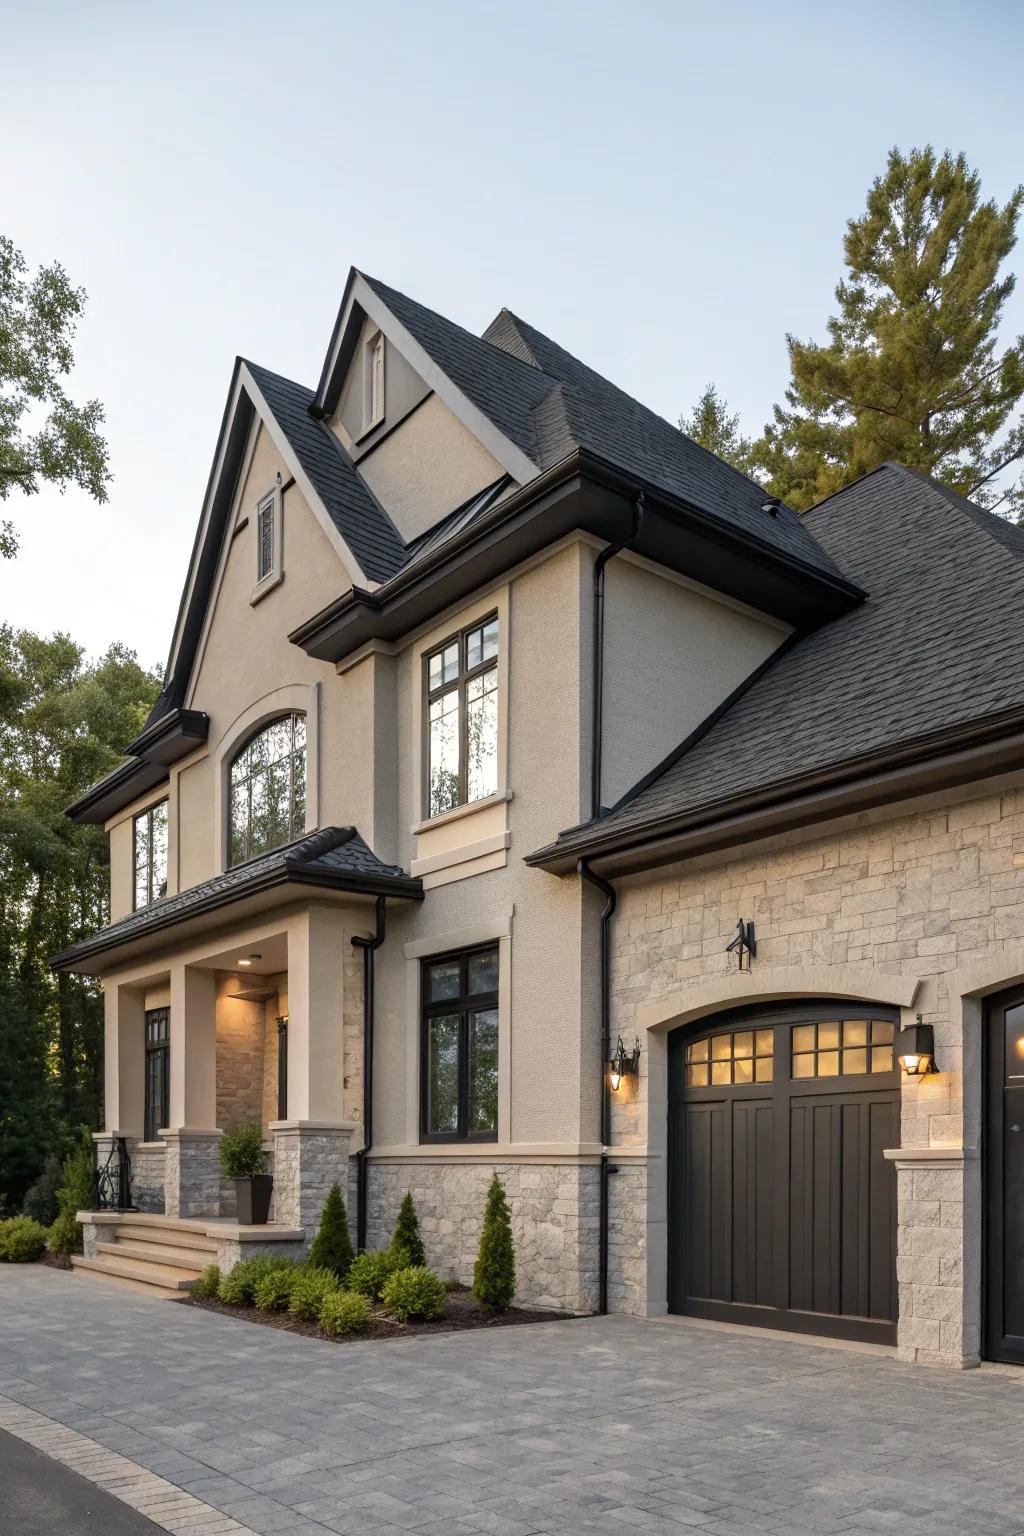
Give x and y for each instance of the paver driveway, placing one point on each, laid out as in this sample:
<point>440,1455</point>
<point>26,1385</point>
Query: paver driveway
<point>599,1425</point>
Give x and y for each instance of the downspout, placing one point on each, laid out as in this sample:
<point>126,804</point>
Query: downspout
<point>597,736</point>
<point>368,947</point>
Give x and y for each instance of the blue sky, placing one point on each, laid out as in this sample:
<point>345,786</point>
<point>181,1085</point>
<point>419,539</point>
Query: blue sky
<point>662,187</point>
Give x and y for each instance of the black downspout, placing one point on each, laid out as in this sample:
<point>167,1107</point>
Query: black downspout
<point>597,735</point>
<point>608,892</point>
<point>368,947</point>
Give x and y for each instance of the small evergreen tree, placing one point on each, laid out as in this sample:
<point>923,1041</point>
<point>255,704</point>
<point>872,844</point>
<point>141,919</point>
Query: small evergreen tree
<point>332,1246</point>
<point>716,428</point>
<point>406,1244</point>
<point>494,1276</point>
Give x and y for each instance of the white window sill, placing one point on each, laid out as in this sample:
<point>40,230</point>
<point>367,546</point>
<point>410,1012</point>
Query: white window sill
<point>502,797</point>
<point>268,583</point>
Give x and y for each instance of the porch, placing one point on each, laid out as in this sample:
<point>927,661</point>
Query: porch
<point>165,1255</point>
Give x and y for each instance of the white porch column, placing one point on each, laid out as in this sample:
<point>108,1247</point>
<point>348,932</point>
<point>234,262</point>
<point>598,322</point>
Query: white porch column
<point>124,1059</point>
<point>192,1174</point>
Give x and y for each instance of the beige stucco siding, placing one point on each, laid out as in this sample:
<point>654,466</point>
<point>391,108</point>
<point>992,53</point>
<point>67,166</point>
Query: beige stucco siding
<point>673,652</point>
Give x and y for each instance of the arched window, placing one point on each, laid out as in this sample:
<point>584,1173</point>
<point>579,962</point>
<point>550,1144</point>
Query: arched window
<point>267,790</point>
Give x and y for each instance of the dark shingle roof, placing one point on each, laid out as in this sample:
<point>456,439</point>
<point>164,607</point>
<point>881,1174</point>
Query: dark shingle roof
<point>335,857</point>
<point>354,511</point>
<point>937,644</point>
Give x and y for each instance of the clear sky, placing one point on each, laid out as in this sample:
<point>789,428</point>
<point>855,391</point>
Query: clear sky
<point>662,187</point>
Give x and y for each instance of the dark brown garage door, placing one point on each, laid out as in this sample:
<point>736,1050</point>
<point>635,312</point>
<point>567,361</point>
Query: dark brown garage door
<point>782,1208</point>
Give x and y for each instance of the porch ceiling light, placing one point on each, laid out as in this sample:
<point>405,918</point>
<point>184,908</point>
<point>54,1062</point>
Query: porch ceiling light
<point>915,1049</point>
<point>623,1061</point>
<point>248,959</point>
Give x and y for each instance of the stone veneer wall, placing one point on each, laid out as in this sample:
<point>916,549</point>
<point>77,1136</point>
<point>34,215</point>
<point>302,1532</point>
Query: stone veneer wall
<point>554,1222</point>
<point>148,1177</point>
<point>917,895</point>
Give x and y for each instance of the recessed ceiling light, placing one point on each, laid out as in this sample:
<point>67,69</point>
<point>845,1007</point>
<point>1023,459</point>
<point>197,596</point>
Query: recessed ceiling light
<point>248,959</point>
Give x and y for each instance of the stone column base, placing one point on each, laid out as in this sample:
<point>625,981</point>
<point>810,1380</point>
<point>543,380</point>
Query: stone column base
<point>309,1156</point>
<point>191,1172</point>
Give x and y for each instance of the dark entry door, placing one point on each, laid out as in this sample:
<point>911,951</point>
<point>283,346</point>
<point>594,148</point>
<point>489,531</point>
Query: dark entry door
<point>782,1208</point>
<point>1004,1178</point>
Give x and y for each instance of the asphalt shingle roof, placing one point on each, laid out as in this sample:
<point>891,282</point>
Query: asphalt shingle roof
<point>938,643</point>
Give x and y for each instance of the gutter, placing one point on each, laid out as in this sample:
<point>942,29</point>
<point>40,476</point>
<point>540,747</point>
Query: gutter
<point>369,948</point>
<point>608,892</point>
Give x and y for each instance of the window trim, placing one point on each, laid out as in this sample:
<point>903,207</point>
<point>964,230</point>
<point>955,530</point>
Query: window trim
<point>372,418</point>
<point>151,1132</point>
<point>265,582</point>
<point>464,677</point>
<point>242,746</point>
<point>136,818</point>
<point>465,1004</point>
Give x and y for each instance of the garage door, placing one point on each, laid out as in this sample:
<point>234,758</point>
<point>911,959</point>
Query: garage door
<point>782,1208</point>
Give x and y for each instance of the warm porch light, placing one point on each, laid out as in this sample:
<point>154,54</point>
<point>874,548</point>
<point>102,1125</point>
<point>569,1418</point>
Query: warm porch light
<point>623,1062</point>
<point>915,1049</point>
<point>248,959</point>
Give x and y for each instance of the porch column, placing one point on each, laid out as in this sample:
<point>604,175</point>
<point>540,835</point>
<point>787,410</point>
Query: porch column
<point>192,1173</point>
<point>311,1147</point>
<point>124,1059</point>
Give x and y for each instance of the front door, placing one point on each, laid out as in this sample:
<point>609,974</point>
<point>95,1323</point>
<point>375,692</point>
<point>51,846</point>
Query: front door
<point>1004,1178</point>
<point>782,1208</point>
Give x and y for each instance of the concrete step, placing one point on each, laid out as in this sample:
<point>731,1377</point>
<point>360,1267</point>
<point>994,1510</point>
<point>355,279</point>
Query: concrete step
<point>155,1277</point>
<point>165,1254</point>
<point>165,1231</point>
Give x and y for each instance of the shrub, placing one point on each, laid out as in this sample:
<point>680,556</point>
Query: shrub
<point>41,1197</point>
<point>241,1151</point>
<point>415,1292</point>
<point>345,1312</point>
<point>494,1275</point>
<point>406,1244</point>
<point>309,1288</point>
<point>74,1194</point>
<point>273,1291</point>
<point>208,1284</point>
<point>332,1246</point>
<point>370,1273</point>
<point>22,1240</point>
<point>237,1286</point>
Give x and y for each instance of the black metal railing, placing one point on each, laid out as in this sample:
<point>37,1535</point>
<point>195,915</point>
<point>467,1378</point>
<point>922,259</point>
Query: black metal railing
<point>112,1184</point>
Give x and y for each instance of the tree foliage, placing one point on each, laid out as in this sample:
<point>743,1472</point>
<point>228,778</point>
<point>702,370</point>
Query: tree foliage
<point>332,1246</point>
<point>494,1275</point>
<point>714,427</point>
<point>912,369</point>
<point>406,1243</point>
<point>44,435</point>
<point>63,722</point>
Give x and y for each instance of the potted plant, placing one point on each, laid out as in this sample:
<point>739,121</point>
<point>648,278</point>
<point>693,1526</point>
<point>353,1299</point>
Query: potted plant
<point>241,1160</point>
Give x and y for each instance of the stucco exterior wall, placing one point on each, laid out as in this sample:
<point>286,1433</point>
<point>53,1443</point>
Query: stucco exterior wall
<point>403,390</point>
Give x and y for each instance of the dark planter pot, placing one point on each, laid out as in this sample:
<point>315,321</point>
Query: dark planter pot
<point>253,1197</point>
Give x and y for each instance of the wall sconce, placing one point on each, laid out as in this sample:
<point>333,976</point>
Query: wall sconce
<point>623,1062</point>
<point>915,1049</point>
<point>744,944</point>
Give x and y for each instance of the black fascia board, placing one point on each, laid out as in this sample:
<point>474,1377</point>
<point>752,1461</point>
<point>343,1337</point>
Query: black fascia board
<point>172,736</point>
<point>116,790</point>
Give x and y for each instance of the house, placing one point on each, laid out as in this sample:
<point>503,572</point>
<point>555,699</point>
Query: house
<point>530,792</point>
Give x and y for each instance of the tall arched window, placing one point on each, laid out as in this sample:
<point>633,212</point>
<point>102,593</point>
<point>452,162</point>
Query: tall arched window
<point>267,789</point>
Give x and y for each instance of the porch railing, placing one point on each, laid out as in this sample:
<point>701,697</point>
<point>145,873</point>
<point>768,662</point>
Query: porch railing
<point>112,1183</point>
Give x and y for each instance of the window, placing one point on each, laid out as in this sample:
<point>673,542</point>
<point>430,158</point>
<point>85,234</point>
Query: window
<point>158,1035</point>
<point>149,841</point>
<point>460,1047</point>
<point>265,537</point>
<point>742,1057</point>
<point>375,381</point>
<point>834,1049</point>
<point>267,790</point>
<point>462,718</point>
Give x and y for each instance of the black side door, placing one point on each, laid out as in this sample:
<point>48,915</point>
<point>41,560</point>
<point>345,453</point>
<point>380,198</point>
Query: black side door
<point>1004,1177</point>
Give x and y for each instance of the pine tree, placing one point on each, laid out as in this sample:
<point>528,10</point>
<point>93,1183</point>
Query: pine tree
<point>711,424</point>
<point>405,1240</point>
<point>494,1276</point>
<point>332,1246</point>
<point>911,370</point>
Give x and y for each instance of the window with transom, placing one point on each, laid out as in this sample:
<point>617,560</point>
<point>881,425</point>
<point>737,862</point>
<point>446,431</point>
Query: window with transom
<point>267,790</point>
<point>462,718</point>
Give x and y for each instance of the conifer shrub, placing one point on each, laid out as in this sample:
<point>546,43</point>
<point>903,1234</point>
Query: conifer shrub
<point>41,1197</point>
<point>494,1275</point>
<point>345,1312</point>
<point>237,1286</point>
<point>207,1285</point>
<point>22,1240</point>
<point>332,1246</point>
<point>273,1291</point>
<point>370,1273</point>
<point>406,1243</point>
<point>309,1288</point>
<point>413,1294</point>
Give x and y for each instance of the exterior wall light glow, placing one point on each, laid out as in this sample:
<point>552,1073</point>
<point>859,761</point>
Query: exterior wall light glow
<point>915,1049</point>
<point>248,959</point>
<point>623,1061</point>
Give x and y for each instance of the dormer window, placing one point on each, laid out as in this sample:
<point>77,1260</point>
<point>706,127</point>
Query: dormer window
<point>375,381</point>
<point>269,543</point>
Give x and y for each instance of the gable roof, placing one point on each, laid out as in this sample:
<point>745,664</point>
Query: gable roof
<point>936,648</point>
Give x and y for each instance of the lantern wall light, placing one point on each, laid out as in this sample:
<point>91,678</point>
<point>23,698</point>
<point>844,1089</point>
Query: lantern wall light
<point>623,1062</point>
<point>915,1049</point>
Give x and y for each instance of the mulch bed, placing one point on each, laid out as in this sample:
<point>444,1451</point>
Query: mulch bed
<point>461,1311</point>
<point>55,1260</point>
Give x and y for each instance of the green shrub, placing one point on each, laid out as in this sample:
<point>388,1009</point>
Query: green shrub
<point>332,1246</point>
<point>208,1284</point>
<point>415,1292</point>
<point>75,1194</point>
<point>22,1240</point>
<point>241,1151</point>
<point>370,1273</point>
<point>309,1288</point>
<point>406,1244</point>
<point>345,1312</point>
<point>41,1197</point>
<point>237,1286</point>
<point>273,1291</point>
<point>494,1276</point>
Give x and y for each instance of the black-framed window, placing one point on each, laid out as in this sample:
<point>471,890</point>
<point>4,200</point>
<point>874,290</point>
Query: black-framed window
<point>267,790</point>
<point>265,536</point>
<point>282,1068</point>
<point>459,1046</point>
<point>149,854</point>
<point>462,718</point>
<point>158,1049</point>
